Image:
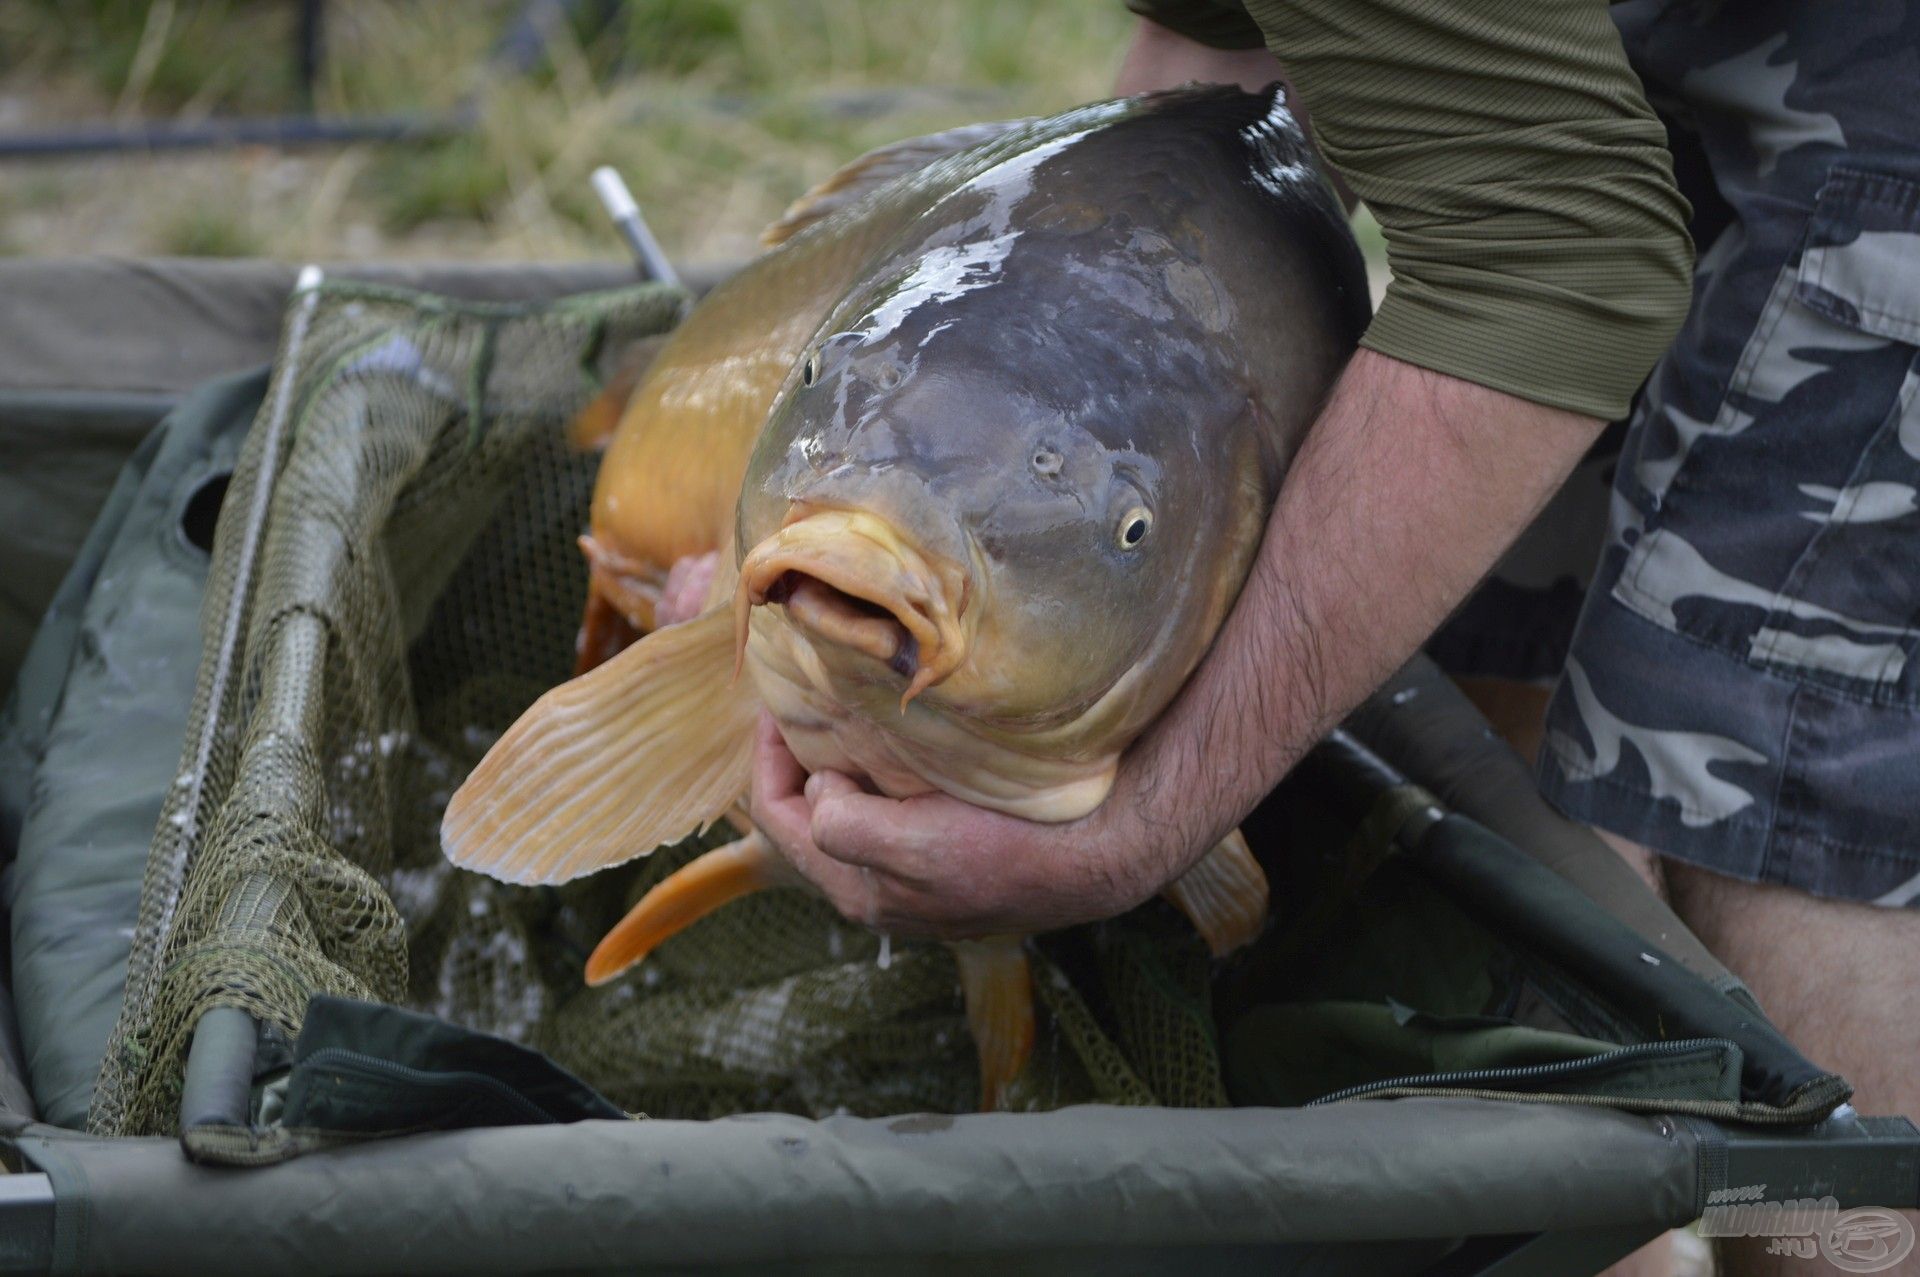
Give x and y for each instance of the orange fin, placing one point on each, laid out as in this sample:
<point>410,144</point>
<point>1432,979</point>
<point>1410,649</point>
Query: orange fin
<point>594,428</point>
<point>867,174</point>
<point>648,748</point>
<point>715,880</point>
<point>1224,896</point>
<point>998,986</point>
<point>605,632</point>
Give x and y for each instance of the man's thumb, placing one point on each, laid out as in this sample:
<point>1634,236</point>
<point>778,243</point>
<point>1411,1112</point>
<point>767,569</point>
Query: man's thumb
<point>843,819</point>
<point>828,784</point>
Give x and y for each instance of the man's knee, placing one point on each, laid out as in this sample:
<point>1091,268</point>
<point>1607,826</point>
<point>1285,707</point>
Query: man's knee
<point>1836,976</point>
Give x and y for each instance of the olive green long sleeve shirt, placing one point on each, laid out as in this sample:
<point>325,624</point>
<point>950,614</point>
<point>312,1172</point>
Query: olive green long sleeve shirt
<point>1524,187</point>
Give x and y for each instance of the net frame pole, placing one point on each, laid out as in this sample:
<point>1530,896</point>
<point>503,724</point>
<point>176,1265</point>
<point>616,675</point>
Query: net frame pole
<point>217,1085</point>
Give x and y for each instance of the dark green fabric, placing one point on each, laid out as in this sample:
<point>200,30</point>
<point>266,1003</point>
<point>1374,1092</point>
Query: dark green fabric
<point>1404,940</point>
<point>1537,239</point>
<point>1455,949</point>
<point>368,1069</point>
<point>1422,724</point>
<point>16,1097</point>
<point>1296,1055</point>
<point>1113,1190</point>
<point>63,453</point>
<point>1639,983</point>
<point>90,741</point>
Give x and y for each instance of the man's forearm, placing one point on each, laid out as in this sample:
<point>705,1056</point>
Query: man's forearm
<point>1407,489</point>
<point>1159,59</point>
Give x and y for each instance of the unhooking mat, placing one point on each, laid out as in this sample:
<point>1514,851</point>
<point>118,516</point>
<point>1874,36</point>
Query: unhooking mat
<point>393,579</point>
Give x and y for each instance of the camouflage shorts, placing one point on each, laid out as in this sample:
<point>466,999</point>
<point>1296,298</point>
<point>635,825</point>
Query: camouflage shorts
<point>1741,688</point>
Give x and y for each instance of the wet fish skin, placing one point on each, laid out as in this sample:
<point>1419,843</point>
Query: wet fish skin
<point>1116,320</point>
<point>989,449</point>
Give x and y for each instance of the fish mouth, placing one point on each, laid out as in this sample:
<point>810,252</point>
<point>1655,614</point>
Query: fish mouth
<point>851,579</point>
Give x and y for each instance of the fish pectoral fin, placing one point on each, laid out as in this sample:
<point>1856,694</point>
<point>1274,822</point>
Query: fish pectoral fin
<point>645,750</point>
<point>709,883</point>
<point>861,177</point>
<point>997,984</point>
<point>1224,895</point>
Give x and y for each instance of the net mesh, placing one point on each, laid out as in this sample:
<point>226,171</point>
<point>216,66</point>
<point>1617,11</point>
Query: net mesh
<point>394,580</point>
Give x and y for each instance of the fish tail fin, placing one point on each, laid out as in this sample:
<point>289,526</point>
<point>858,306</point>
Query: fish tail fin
<point>711,882</point>
<point>998,986</point>
<point>648,748</point>
<point>1224,895</point>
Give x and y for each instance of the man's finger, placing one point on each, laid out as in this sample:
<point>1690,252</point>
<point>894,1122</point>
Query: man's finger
<point>854,892</point>
<point>776,803</point>
<point>883,834</point>
<point>776,772</point>
<point>829,784</point>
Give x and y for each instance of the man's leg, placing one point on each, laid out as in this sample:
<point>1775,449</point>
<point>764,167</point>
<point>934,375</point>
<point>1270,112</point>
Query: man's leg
<point>1837,977</point>
<point>1719,703</point>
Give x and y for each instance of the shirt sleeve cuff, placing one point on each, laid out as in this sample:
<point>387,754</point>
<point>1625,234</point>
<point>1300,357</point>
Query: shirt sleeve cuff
<point>1584,351</point>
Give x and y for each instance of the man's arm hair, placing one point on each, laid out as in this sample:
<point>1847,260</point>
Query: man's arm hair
<point>1408,488</point>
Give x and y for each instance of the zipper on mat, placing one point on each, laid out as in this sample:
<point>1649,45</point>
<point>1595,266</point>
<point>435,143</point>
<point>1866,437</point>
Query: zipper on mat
<point>1528,1072</point>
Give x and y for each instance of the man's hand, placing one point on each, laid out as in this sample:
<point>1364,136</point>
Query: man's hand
<point>935,866</point>
<point>1407,488</point>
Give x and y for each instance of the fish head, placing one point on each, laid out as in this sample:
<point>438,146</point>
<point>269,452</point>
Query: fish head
<point>1017,479</point>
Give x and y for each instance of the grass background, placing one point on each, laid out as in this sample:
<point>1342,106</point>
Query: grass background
<point>717,111</point>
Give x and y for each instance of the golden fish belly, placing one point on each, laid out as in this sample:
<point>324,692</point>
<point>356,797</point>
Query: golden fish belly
<point>831,723</point>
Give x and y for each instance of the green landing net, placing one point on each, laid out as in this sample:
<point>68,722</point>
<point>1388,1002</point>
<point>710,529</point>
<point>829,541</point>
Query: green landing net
<point>394,580</point>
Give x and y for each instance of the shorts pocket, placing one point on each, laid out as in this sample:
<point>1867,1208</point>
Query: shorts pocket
<point>1861,264</point>
<point>1789,534</point>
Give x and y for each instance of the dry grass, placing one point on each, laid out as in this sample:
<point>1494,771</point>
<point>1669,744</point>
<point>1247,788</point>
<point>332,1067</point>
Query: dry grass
<point>718,112</point>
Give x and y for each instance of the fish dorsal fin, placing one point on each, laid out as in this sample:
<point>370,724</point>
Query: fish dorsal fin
<point>641,752</point>
<point>874,170</point>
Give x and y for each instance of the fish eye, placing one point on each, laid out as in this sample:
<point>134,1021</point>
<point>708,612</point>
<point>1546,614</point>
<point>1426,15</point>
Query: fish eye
<point>810,371</point>
<point>1133,527</point>
<point>1046,461</point>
